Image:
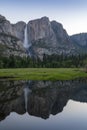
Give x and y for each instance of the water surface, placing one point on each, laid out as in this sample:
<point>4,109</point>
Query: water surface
<point>43,105</point>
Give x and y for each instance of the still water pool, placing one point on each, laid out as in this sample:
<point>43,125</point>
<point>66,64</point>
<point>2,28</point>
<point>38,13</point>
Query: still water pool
<point>43,105</point>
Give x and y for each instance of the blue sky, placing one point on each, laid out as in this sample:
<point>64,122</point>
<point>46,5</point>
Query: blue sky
<point>71,13</point>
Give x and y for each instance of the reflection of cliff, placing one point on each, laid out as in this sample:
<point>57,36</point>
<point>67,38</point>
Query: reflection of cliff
<point>43,103</point>
<point>11,98</point>
<point>45,98</point>
<point>51,97</point>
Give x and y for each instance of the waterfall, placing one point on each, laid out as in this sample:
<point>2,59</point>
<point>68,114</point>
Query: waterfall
<point>26,44</point>
<point>27,91</point>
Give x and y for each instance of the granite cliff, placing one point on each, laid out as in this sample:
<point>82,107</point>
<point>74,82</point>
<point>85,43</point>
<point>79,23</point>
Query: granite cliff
<point>42,36</point>
<point>49,37</point>
<point>11,38</point>
<point>80,39</point>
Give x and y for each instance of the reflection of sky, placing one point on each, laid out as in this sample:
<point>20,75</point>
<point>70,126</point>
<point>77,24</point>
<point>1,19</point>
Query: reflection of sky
<point>73,117</point>
<point>71,13</point>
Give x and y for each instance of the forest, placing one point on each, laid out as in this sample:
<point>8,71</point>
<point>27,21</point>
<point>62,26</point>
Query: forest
<point>48,61</point>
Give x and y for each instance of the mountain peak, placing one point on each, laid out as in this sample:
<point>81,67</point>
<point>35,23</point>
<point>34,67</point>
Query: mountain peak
<point>40,19</point>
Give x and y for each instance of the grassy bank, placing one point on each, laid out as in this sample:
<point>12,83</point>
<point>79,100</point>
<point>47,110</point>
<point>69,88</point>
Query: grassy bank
<point>42,73</point>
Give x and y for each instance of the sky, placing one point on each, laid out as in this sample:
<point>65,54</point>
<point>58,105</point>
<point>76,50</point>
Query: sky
<point>71,13</point>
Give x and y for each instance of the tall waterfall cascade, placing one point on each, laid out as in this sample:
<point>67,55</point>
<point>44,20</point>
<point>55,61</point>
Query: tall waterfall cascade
<point>27,44</point>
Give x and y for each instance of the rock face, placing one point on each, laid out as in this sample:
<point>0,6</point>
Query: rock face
<point>49,37</point>
<point>43,37</point>
<point>11,38</point>
<point>18,30</point>
<point>40,28</point>
<point>64,43</point>
<point>80,39</point>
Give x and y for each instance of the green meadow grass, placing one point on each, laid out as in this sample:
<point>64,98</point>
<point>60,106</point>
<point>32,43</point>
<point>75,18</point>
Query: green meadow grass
<point>42,73</point>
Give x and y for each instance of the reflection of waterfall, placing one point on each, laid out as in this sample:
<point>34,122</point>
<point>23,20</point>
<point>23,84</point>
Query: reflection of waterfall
<point>27,43</point>
<point>26,93</point>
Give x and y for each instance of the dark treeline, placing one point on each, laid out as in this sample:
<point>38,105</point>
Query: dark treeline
<point>53,61</point>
